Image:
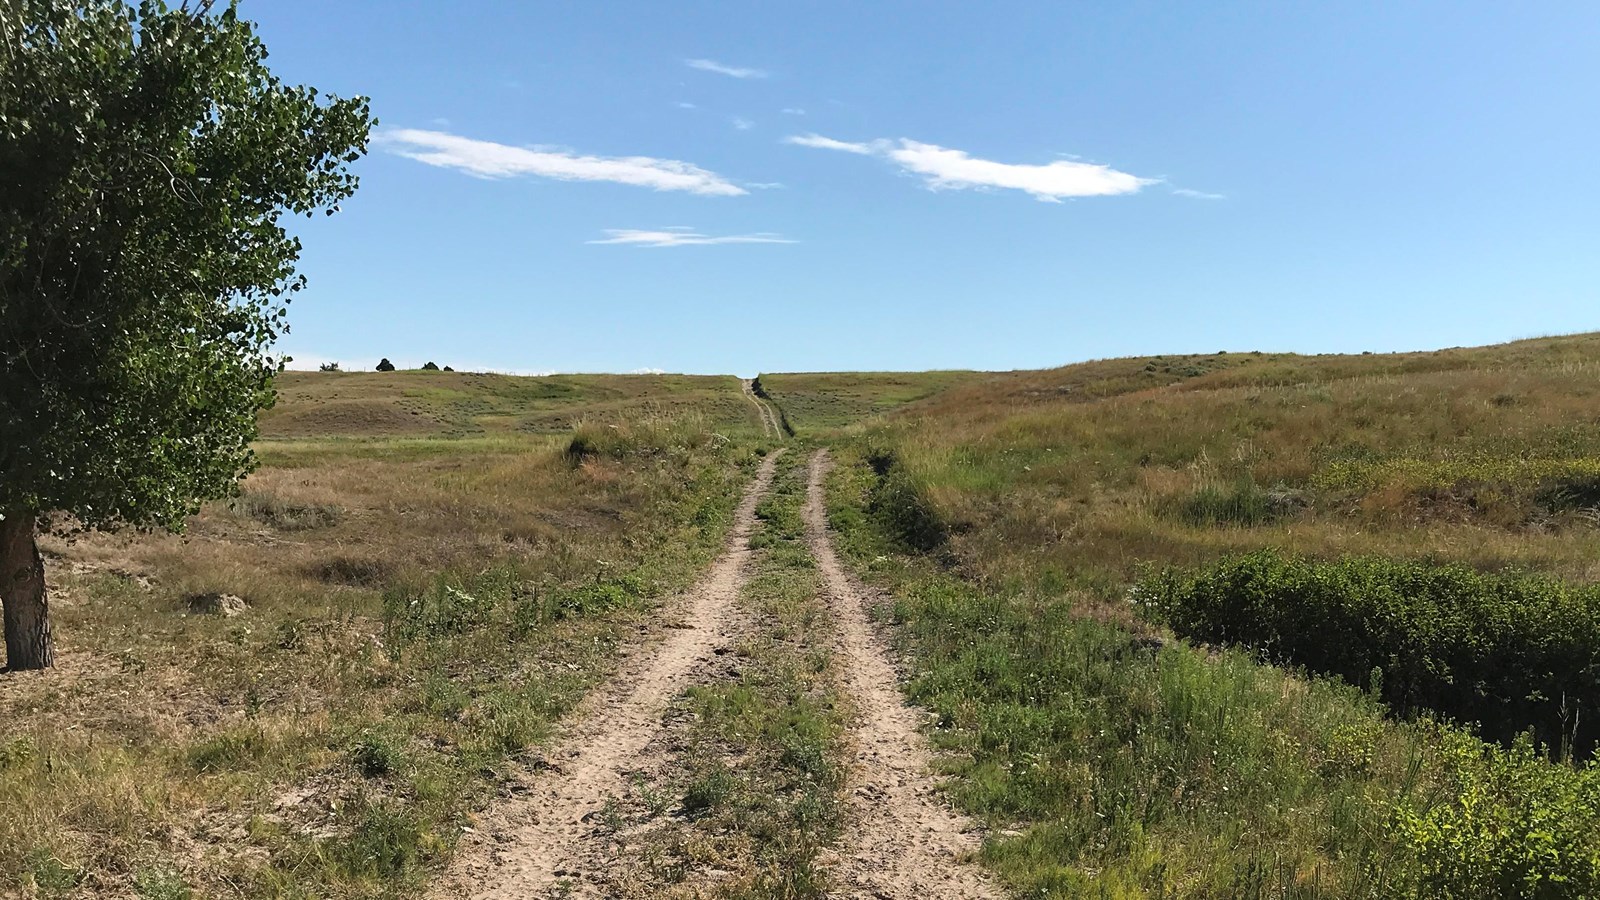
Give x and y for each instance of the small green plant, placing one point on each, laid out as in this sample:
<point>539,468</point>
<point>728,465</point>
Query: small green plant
<point>161,884</point>
<point>228,750</point>
<point>50,873</point>
<point>376,754</point>
<point>709,791</point>
<point>1509,825</point>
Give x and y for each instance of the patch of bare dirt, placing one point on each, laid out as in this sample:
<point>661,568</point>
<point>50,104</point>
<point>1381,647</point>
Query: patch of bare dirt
<point>550,836</point>
<point>902,839</point>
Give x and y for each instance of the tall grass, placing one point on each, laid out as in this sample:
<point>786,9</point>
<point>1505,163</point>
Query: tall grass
<point>1111,763</point>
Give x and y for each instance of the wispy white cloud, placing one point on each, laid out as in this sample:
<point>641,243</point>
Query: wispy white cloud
<point>1198,195</point>
<point>827,143</point>
<point>647,370</point>
<point>681,236</point>
<point>711,65</point>
<point>487,159</point>
<point>741,123</point>
<point>793,111</point>
<point>942,168</point>
<point>684,104</point>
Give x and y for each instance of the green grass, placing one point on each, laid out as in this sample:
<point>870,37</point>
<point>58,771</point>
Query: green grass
<point>1011,516</point>
<point>817,402</point>
<point>420,404</point>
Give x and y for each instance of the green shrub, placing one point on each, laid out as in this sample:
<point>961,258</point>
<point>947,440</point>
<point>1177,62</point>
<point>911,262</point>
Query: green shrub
<point>1510,651</point>
<point>647,437</point>
<point>1510,825</point>
<point>376,754</point>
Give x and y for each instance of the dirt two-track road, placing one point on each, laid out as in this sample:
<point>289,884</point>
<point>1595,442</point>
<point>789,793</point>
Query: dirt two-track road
<point>901,839</point>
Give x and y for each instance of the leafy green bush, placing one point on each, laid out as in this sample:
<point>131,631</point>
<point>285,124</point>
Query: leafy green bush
<point>1510,651</point>
<point>1511,825</point>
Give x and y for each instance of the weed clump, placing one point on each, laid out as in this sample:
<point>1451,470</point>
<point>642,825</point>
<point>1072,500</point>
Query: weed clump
<point>285,515</point>
<point>900,503</point>
<point>1242,504</point>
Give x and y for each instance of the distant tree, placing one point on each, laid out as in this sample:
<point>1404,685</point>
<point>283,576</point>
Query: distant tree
<point>147,156</point>
<point>429,367</point>
<point>448,369</point>
<point>385,366</point>
<point>328,367</point>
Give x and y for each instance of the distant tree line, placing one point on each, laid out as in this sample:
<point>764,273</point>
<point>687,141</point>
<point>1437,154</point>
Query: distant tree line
<point>384,365</point>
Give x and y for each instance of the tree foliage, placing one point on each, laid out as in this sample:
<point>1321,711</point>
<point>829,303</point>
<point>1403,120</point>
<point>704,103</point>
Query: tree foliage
<point>385,366</point>
<point>147,157</point>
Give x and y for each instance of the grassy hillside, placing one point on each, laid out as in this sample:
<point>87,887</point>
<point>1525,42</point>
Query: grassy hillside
<point>815,402</point>
<point>417,403</point>
<point>1015,518</point>
<point>424,579</point>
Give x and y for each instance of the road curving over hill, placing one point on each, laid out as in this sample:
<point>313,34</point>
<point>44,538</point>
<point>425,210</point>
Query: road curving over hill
<point>769,419</point>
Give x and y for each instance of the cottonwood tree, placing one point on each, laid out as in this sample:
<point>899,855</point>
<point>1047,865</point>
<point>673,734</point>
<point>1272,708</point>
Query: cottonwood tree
<point>147,156</point>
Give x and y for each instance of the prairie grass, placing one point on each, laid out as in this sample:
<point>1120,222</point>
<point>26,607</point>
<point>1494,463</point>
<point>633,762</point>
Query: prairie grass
<point>419,404</point>
<point>816,402</point>
<point>420,609</point>
<point>1012,514</point>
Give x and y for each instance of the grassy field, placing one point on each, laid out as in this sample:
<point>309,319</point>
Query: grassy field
<point>415,605</point>
<point>311,692</point>
<point>1014,516</point>
<point>418,404</point>
<point>818,402</point>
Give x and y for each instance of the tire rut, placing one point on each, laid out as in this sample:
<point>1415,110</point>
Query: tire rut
<point>769,420</point>
<point>902,840</point>
<point>548,840</point>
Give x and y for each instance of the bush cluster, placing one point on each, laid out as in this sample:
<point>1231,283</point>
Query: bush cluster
<point>1509,825</point>
<point>1511,652</point>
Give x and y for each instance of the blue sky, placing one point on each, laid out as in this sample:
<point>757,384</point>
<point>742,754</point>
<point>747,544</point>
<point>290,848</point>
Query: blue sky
<point>813,186</point>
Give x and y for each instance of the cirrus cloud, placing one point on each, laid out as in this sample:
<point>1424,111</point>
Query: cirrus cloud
<point>683,236</point>
<point>711,65</point>
<point>942,168</point>
<point>487,159</point>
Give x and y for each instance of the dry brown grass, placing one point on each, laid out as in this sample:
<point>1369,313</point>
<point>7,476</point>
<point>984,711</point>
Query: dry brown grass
<point>306,747</point>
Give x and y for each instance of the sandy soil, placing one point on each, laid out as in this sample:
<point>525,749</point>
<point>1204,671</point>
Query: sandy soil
<point>548,839</point>
<point>902,840</point>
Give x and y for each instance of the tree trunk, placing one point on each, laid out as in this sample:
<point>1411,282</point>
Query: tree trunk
<point>27,613</point>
